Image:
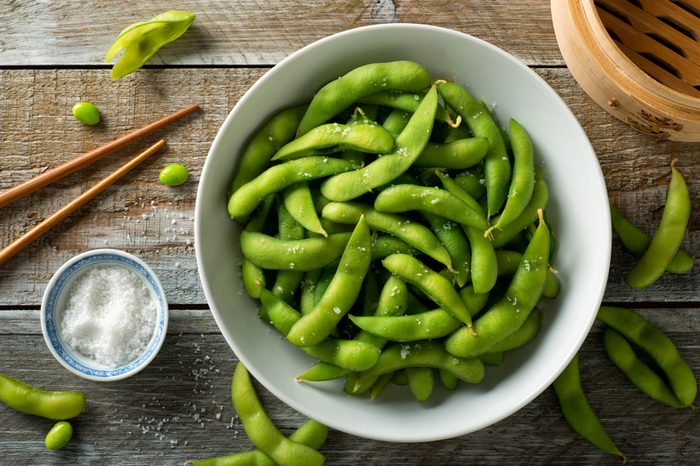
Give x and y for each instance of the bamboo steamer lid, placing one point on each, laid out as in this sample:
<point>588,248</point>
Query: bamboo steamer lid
<point>638,59</point>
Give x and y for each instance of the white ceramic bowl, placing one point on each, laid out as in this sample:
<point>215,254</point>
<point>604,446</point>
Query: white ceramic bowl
<point>56,298</point>
<point>578,211</point>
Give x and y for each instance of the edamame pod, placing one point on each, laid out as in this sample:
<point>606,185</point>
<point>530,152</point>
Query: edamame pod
<point>253,278</point>
<point>435,286</point>
<point>477,117</point>
<point>278,131</point>
<point>420,382</point>
<point>337,95</point>
<point>287,281</point>
<point>540,196</point>
<point>508,314</point>
<point>298,201</point>
<point>457,155</point>
<point>406,102</point>
<point>452,237</point>
<point>521,337</point>
<point>420,354</point>
<point>642,376</point>
<point>24,398</point>
<point>341,293</point>
<point>413,233</point>
<point>657,346</point>
<point>424,326</point>
<point>409,145</point>
<point>385,245</point>
<point>578,412</point>
<point>436,201</point>
<point>334,137</point>
<point>260,429</point>
<point>278,177</point>
<point>320,372</point>
<point>668,237</point>
<point>305,254</point>
<point>473,184</point>
<point>637,242</point>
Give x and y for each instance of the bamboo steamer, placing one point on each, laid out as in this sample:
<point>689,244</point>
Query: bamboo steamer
<point>638,59</point>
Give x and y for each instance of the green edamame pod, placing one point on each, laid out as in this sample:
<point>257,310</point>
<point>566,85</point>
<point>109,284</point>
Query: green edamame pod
<point>523,181</point>
<point>424,326</point>
<point>456,155</point>
<point>385,245</point>
<point>540,196</point>
<point>435,286</point>
<point>409,145</point>
<point>278,177</point>
<point>347,354</point>
<point>404,102</point>
<point>305,254</point>
<point>396,121</point>
<point>508,314</point>
<point>341,293</point>
<point>419,354</point>
<point>657,346</point>
<point>508,262</point>
<point>642,376</point>
<point>24,398</point>
<point>578,412</point>
<point>365,80</point>
<point>524,335</point>
<point>452,237</point>
<point>455,133</point>
<point>484,268</point>
<point>278,131</point>
<point>307,300</point>
<point>59,435</point>
<point>253,278</point>
<point>334,137</point>
<point>478,119</point>
<point>379,385</point>
<point>298,201</point>
<point>668,237</point>
<point>420,382</point>
<point>287,281</point>
<point>260,429</point>
<point>413,233</point>
<point>322,371</point>
<point>473,301</point>
<point>472,184</point>
<point>436,201</point>
<point>448,379</point>
<point>637,242</point>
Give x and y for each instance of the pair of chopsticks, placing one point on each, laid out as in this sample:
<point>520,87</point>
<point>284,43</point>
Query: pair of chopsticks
<point>27,187</point>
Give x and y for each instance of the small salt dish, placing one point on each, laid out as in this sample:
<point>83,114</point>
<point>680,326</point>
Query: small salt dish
<point>56,299</point>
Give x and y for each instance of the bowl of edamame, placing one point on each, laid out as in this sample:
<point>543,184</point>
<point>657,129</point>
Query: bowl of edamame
<point>403,205</point>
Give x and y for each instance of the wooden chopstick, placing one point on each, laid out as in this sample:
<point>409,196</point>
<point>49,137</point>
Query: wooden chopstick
<point>27,187</point>
<point>76,203</point>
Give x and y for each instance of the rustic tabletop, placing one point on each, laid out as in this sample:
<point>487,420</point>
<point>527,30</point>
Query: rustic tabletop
<point>179,407</point>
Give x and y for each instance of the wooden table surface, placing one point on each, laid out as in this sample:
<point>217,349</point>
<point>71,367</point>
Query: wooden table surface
<point>179,407</point>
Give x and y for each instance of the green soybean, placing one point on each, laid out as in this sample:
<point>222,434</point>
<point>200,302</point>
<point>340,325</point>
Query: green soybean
<point>337,95</point>
<point>59,435</point>
<point>453,238</point>
<point>278,131</point>
<point>668,237</point>
<point>578,412</point>
<point>424,326</point>
<point>341,293</point>
<point>253,278</point>
<point>420,382</point>
<point>456,155</point>
<point>657,346</point>
<point>620,352</point>
<point>405,102</point>
<point>278,177</point>
<point>473,301</point>
<point>174,174</point>
<point>24,398</point>
<point>379,385</point>
<point>287,281</point>
<point>521,337</point>
<point>86,113</point>
<point>385,245</point>
<point>260,429</point>
<point>307,254</point>
<point>409,145</point>
<point>540,196</point>
<point>637,242</point>
<point>299,203</point>
<point>334,137</point>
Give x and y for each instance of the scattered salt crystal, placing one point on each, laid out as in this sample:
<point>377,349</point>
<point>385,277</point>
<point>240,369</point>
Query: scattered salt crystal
<point>110,316</point>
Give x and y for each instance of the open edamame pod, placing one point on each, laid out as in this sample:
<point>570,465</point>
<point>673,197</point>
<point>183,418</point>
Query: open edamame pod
<point>657,346</point>
<point>24,398</point>
<point>578,412</point>
<point>668,237</point>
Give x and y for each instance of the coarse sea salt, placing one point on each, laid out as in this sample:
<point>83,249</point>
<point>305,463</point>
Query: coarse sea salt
<point>110,315</point>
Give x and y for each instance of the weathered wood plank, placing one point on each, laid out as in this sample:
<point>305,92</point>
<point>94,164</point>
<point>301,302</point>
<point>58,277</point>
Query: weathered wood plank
<point>179,408</point>
<point>156,222</point>
<point>258,33</point>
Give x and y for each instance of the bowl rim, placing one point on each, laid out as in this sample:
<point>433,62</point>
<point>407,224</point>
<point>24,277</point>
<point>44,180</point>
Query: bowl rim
<point>322,417</point>
<point>78,264</point>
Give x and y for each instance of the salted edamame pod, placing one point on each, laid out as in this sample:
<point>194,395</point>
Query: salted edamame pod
<point>337,95</point>
<point>306,254</point>
<point>578,412</point>
<point>657,346</point>
<point>298,201</point>
<point>540,196</point>
<point>24,398</point>
<point>424,326</point>
<point>455,155</point>
<point>668,237</point>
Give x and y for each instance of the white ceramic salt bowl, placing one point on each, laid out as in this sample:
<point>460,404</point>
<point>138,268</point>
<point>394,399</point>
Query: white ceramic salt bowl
<point>578,212</point>
<point>56,298</point>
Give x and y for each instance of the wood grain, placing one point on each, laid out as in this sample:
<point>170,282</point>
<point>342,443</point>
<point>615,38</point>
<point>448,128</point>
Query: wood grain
<point>179,408</point>
<point>141,216</point>
<point>256,32</point>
